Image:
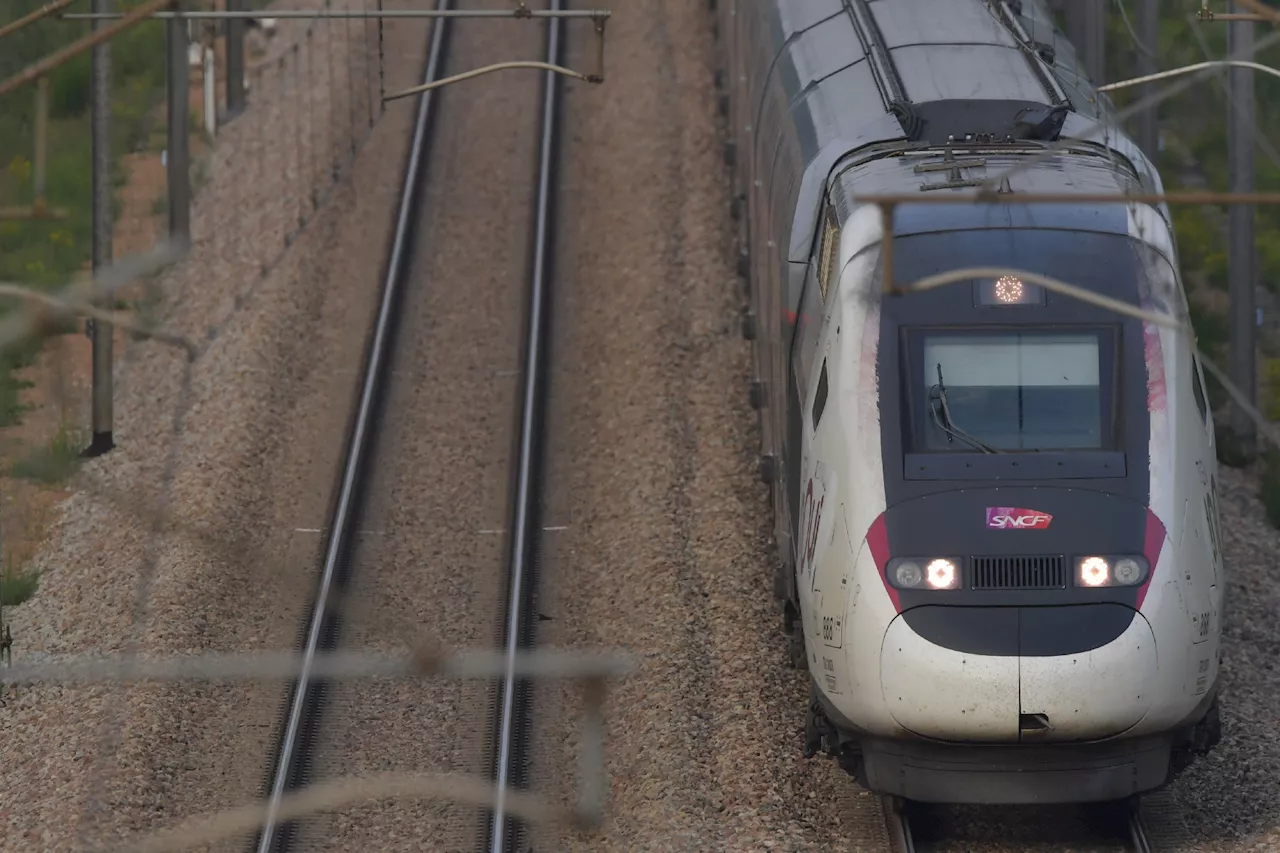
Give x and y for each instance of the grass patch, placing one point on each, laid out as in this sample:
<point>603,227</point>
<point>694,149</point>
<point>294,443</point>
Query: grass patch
<point>54,463</point>
<point>45,254</point>
<point>18,586</point>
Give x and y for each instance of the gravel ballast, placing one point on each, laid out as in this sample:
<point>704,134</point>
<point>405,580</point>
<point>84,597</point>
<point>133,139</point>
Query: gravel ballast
<point>269,397</point>
<point>652,458</point>
<point>659,531</point>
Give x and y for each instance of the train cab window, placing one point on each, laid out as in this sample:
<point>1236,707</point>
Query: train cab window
<point>829,248</point>
<point>998,390</point>
<point>1197,388</point>
<point>820,396</point>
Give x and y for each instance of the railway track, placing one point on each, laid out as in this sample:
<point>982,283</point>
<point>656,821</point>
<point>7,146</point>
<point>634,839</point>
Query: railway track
<point>512,720</point>
<point>372,542</point>
<point>1151,824</point>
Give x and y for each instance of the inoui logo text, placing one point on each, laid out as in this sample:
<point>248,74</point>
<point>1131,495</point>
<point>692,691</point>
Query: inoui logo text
<point>1016,518</point>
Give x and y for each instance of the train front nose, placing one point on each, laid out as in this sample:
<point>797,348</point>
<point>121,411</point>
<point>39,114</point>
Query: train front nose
<point>994,674</point>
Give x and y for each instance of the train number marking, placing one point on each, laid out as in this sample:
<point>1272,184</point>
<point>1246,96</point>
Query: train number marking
<point>811,520</point>
<point>1214,522</point>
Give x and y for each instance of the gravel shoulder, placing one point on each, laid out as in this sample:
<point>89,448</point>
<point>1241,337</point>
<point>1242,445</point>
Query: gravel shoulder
<point>268,399</point>
<point>666,551</point>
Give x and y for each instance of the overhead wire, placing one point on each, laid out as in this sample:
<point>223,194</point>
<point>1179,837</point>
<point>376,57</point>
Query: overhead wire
<point>992,183</point>
<point>1259,137</point>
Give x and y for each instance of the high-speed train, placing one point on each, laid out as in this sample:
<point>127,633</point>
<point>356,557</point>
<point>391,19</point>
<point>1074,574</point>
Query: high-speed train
<point>995,510</point>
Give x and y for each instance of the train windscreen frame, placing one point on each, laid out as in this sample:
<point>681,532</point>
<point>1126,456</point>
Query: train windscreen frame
<point>1011,389</point>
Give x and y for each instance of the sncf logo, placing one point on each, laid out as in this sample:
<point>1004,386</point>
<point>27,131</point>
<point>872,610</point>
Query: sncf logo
<point>1015,518</point>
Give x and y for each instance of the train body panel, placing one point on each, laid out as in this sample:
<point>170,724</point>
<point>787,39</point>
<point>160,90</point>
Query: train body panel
<point>1006,581</point>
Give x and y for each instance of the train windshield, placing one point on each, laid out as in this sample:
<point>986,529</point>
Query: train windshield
<point>1009,391</point>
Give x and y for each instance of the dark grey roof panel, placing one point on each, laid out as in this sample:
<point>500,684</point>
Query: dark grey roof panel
<point>1069,172</point>
<point>1066,172</point>
<point>881,127</point>
<point>823,50</point>
<point>908,22</point>
<point>924,219</point>
<point>959,72</point>
<point>845,105</point>
<point>797,15</point>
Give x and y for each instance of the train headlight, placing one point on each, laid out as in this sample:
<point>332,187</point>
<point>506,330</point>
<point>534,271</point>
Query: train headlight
<point>1112,570</point>
<point>907,574</point>
<point>1094,571</point>
<point>942,574</point>
<point>924,573</point>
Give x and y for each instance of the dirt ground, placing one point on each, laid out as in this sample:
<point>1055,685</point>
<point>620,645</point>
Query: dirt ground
<point>59,396</point>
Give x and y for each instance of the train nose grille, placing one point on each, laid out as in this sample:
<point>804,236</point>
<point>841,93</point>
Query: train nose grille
<point>1019,572</point>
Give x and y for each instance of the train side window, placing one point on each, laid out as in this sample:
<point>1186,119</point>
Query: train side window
<point>820,397</point>
<point>1197,388</point>
<point>828,250</point>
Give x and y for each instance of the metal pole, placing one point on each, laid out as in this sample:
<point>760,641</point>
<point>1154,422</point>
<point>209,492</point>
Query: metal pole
<point>41,155</point>
<point>102,334</point>
<point>235,60</point>
<point>1241,263</point>
<point>1076,13</point>
<point>1095,39</point>
<point>178,163</point>
<point>1148,27</point>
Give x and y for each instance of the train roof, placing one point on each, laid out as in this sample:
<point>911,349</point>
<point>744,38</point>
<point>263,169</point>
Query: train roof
<point>1080,169</point>
<point>864,74</point>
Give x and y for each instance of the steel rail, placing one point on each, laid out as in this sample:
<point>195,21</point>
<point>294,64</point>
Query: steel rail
<point>898,824</point>
<point>525,511</point>
<point>307,690</point>
<point>1138,832</point>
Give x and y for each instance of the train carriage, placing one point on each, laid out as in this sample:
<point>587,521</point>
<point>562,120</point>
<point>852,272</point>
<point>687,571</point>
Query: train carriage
<point>994,504</point>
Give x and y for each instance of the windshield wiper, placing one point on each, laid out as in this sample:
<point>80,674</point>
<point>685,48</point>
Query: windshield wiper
<point>945,423</point>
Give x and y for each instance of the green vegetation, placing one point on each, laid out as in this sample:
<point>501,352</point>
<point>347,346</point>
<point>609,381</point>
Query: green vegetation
<point>1194,127</point>
<point>45,253</point>
<point>17,586</point>
<point>55,462</point>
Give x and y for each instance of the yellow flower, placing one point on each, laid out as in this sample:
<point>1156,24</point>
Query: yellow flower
<point>20,167</point>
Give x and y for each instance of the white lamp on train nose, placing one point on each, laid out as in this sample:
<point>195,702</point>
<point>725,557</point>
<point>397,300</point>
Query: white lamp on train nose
<point>908,574</point>
<point>941,573</point>
<point>1009,289</point>
<point>933,573</point>
<point>1127,571</point>
<point>1094,571</point>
